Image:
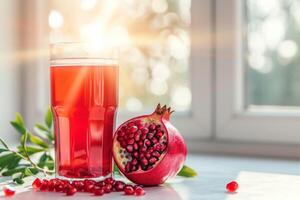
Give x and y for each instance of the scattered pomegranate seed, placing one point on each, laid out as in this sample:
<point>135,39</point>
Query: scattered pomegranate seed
<point>232,186</point>
<point>71,191</point>
<point>139,191</point>
<point>98,191</point>
<point>36,184</point>
<point>119,186</point>
<point>8,191</point>
<point>91,186</point>
<point>128,190</point>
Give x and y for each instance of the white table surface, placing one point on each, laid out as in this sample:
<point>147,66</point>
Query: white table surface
<point>265,179</point>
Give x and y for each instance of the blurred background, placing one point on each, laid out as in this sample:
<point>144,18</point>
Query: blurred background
<point>169,53</point>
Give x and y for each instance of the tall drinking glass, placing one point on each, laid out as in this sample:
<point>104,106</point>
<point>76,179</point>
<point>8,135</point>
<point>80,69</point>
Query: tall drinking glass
<point>84,101</point>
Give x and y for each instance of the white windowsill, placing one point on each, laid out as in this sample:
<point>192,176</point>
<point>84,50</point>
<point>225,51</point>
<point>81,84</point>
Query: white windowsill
<point>257,178</point>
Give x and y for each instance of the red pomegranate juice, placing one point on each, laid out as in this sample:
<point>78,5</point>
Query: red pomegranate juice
<point>84,102</point>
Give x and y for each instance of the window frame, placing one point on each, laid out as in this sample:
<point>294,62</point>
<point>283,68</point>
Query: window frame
<point>194,124</point>
<point>234,121</point>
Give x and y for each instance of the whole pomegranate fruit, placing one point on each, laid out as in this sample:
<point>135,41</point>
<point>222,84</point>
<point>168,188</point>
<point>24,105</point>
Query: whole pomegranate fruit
<point>148,149</point>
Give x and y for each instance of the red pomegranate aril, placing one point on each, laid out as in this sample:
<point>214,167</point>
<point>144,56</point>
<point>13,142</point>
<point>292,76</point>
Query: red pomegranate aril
<point>133,129</point>
<point>134,162</point>
<point>135,146</point>
<point>152,127</point>
<point>88,187</point>
<point>147,142</point>
<point>154,141</point>
<point>150,136</point>
<point>107,188</point>
<point>131,124</point>
<point>8,191</point>
<point>99,192</point>
<point>135,154</point>
<point>139,191</point>
<point>129,148</point>
<point>121,133</point>
<point>100,184</point>
<point>143,136</point>
<point>155,154</point>
<point>159,134</point>
<point>128,190</point>
<point>147,155</point>
<point>137,136</point>
<point>44,185</point>
<point>145,130</point>
<point>152,160</point>
<point>123,144</point>
<point>130,141</point>
<point>109,180</point>
<point>141,143</point>
<point>36,184</point>
<point>71,191</point>
<point>232,186</point>
<point>119,186</point>
<point>59,188</point>
<point>144,161</point>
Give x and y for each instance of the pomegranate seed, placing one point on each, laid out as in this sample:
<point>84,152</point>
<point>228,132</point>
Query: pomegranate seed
<point>141,143</point>
<point>107,188</point>
<point>134,162</point>
<point>133,129</point>
<point>127,167</point>
<point>121,133</point>
<point>155,154</point>
<point>59,188</point>
<point>131,135</point>
<point>150,136</point>
<point>144,161</point>
<point>129,148</point>
<point>130,124</point>
<point>98,192</point>
<point>143,136</point>
<point>148,155</point>
<point>145,130</point>
<point>135,154</point>
<point>152,160</point>
<point>71,191</point>
<point>159,134</point>
<point>131,141</point>
<point>232,186</point>
<point>79,185</point>
<point>36,184</point>
<point>44,185</point>
<point>100,184</point>
<point>147,142</point>
<point>119,186</point>
<point>151,127</point>
<point>137,136</point>
<point>8,191</point>
<point>109,181</point>
<point>123,144</point>
<point>128,190</point>
<point>88,187</point>
<point>154,141</point>
<point>135,146</point>
<point>139,191</point>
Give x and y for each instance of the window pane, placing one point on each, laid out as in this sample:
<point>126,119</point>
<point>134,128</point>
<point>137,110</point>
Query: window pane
<point>273,38</point>
<point>154,39</point>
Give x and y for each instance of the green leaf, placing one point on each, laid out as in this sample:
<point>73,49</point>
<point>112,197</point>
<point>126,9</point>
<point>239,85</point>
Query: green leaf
<point>42,127</point>
<point>18,180</point>
<point>19,128</point>
<point>4,144</point>
<point>187,172</point>
<point>48,118</point>
<point>31,150</point>
<point>37,140</point>
<point>27,172</point>
<point>19,119</point>
<point>24,138</point>
<point>13,171</point>
<point>3,150</point>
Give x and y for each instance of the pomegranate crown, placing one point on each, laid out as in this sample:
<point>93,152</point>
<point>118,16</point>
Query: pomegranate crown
<point>163,111</point>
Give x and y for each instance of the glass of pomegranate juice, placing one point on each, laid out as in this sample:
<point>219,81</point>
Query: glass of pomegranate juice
<point>84,100</point>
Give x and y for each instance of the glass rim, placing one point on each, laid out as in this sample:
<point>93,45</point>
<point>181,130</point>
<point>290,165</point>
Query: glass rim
<point>82,50</point>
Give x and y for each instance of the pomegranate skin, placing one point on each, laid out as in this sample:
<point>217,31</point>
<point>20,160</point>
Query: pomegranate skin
<point>169,164</point>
